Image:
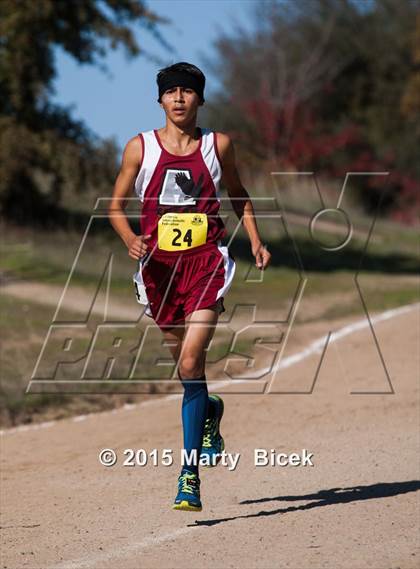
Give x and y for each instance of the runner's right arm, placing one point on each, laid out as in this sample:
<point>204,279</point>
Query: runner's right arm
<point>124,184</point>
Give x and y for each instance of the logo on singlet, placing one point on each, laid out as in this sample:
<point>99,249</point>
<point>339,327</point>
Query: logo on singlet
<point>197,220</point>
<point>179,188</point>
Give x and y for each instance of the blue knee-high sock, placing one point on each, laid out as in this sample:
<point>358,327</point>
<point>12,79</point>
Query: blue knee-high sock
<point>194,413</point>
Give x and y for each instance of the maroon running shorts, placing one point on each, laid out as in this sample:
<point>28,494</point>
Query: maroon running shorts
<point>172,286</point>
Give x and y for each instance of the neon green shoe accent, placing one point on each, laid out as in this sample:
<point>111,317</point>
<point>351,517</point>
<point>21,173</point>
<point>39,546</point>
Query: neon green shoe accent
<point>187,507</point>
<point>213,443</point>
<point>188,497</point>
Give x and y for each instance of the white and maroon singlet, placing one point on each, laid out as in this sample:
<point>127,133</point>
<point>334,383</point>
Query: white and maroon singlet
<point>168,183</point>
<point>187,268</point>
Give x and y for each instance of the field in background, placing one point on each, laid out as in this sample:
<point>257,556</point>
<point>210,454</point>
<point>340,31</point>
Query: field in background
<point>389,278</point>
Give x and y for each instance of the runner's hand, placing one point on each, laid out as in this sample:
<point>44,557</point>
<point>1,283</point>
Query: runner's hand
<point>262,256</point>
<point>137,247</point>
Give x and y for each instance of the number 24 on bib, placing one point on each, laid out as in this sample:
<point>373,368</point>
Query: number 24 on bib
<point>180,231</point>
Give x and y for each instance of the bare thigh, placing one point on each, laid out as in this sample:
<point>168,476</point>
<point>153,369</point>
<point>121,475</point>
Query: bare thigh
<point>200,328</point>
<point>188,344</point>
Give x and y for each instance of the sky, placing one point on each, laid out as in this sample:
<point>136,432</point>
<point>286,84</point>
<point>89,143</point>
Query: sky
<point>123,101</point>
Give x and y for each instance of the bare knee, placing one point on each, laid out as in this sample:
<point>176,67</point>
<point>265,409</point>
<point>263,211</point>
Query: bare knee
<point>191,366</point>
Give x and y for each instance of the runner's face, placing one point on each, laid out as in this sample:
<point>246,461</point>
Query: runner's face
<point>180,104</point>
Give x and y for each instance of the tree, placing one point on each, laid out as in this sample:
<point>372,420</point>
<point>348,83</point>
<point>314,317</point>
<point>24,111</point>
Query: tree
<point>41,142</point>
<point>326,85</point>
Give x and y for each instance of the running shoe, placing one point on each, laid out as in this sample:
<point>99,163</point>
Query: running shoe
<point>188,497</point>
<point>213,443</point>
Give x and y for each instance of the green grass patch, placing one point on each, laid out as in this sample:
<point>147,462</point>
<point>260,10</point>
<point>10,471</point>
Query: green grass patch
<point>389,278</point>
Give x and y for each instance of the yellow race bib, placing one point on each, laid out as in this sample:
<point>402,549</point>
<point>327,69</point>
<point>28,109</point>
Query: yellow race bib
<point>180,231</point>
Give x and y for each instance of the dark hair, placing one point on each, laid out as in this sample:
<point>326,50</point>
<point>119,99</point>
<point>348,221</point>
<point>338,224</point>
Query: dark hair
<point>167,73</point>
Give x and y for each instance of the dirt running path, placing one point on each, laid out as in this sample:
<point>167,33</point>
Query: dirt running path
<point>78,300</point>
<point>356,508</point>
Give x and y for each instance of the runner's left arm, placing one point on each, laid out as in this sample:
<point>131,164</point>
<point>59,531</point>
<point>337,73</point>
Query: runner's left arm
<point>241,202</point>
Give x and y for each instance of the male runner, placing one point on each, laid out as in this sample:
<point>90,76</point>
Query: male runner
<point>184,271</point>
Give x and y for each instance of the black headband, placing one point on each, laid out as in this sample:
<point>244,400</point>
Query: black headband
<point>181,79</point>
